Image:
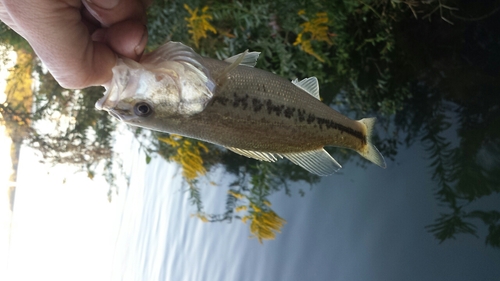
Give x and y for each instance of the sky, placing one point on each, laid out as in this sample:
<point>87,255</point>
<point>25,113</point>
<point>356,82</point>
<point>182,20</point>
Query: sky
<point>5,213</point>
<point>60,218</point>
<point>5,172</point>
<point>60,212</point>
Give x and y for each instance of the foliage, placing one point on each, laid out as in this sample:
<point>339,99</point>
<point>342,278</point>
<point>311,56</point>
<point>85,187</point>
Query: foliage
<point>61,124</point>
<point>9,37</point>
<point>19,96</point>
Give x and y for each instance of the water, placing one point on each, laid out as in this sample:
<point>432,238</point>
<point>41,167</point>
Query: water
<point>359,224</point>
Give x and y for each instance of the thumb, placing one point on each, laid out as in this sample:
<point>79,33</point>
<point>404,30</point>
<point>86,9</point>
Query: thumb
<point>127,38</point>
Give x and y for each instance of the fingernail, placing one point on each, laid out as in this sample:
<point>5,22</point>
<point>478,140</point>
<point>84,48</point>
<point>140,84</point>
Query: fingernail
<point>139,49</point>
<point>104,4</point>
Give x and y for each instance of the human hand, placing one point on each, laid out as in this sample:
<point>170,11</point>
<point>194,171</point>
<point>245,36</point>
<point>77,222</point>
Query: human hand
<point>79,40</point>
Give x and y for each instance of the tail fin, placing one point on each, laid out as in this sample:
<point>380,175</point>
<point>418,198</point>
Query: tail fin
<point>371,152</point>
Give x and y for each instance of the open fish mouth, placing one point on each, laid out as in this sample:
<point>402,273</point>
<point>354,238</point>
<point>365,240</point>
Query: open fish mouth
<point>100,103</point>
<point>109,100</point>
<point>121,76</point>
<point>114,114</point>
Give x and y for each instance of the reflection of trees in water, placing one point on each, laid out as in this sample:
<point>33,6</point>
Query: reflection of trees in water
<point>457,88</point>
<point>465,170</point>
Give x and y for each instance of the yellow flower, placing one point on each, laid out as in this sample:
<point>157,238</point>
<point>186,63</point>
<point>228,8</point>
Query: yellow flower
<point>188,156</point>
<point>245,218</point>
<point>236,194</point>
<point>265,225</point>
<point>255,208</point>
<point>19,88</point>
<point>198,24</point>
<point>202,217</point>
<point>315,29</point>
<point>241,208</point>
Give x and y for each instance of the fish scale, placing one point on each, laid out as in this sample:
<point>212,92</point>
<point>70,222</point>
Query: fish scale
<point>273,97</point>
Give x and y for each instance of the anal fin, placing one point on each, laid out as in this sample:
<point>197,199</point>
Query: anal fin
<point>318,162</point>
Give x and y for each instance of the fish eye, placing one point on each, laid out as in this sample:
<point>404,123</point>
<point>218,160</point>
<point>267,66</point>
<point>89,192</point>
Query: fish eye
<point>142,109</point>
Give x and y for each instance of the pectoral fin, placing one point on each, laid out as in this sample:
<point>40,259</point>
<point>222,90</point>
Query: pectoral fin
<point>318,162</point>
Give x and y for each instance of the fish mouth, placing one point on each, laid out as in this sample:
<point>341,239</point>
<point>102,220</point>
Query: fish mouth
<point>110,98</point>
<point>114,114</point>
<point>115,88</point>
<point>100,103</point>
<point>109,102</point>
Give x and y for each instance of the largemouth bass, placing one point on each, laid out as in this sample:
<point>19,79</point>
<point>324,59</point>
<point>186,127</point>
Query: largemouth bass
<point>249,111</point>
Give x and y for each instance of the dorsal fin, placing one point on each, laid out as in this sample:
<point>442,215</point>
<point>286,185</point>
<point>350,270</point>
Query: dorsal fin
<point>250,59</point>
<point>222,77</point>
<point>310,85</point>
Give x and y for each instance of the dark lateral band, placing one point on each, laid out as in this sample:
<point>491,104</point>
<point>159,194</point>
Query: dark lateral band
<point>288,112</point>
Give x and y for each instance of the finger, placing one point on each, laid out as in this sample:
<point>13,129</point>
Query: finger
<point>90,22</point>
<point>127,38</point>
<point>5,17</point>
<point>114,11</point>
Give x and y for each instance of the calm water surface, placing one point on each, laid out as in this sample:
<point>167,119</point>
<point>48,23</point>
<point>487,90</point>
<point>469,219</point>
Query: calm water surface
<point>359,224</point>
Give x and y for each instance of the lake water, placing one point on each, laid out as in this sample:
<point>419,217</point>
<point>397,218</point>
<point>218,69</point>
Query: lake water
<point>359,224</point>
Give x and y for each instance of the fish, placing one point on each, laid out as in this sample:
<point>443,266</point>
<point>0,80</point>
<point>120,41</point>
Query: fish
<point>247,110</point>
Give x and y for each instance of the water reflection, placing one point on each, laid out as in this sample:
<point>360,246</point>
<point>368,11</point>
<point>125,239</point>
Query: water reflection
<point>457,93</point>
<point>463,158</point>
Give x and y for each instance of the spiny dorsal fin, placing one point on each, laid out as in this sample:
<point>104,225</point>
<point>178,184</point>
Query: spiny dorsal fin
<point>250,59</point>
<point>173,51</point>
<point>262,156</point>
<point>180,53</point>
<point>310,85</point>
<point>318,162</point>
